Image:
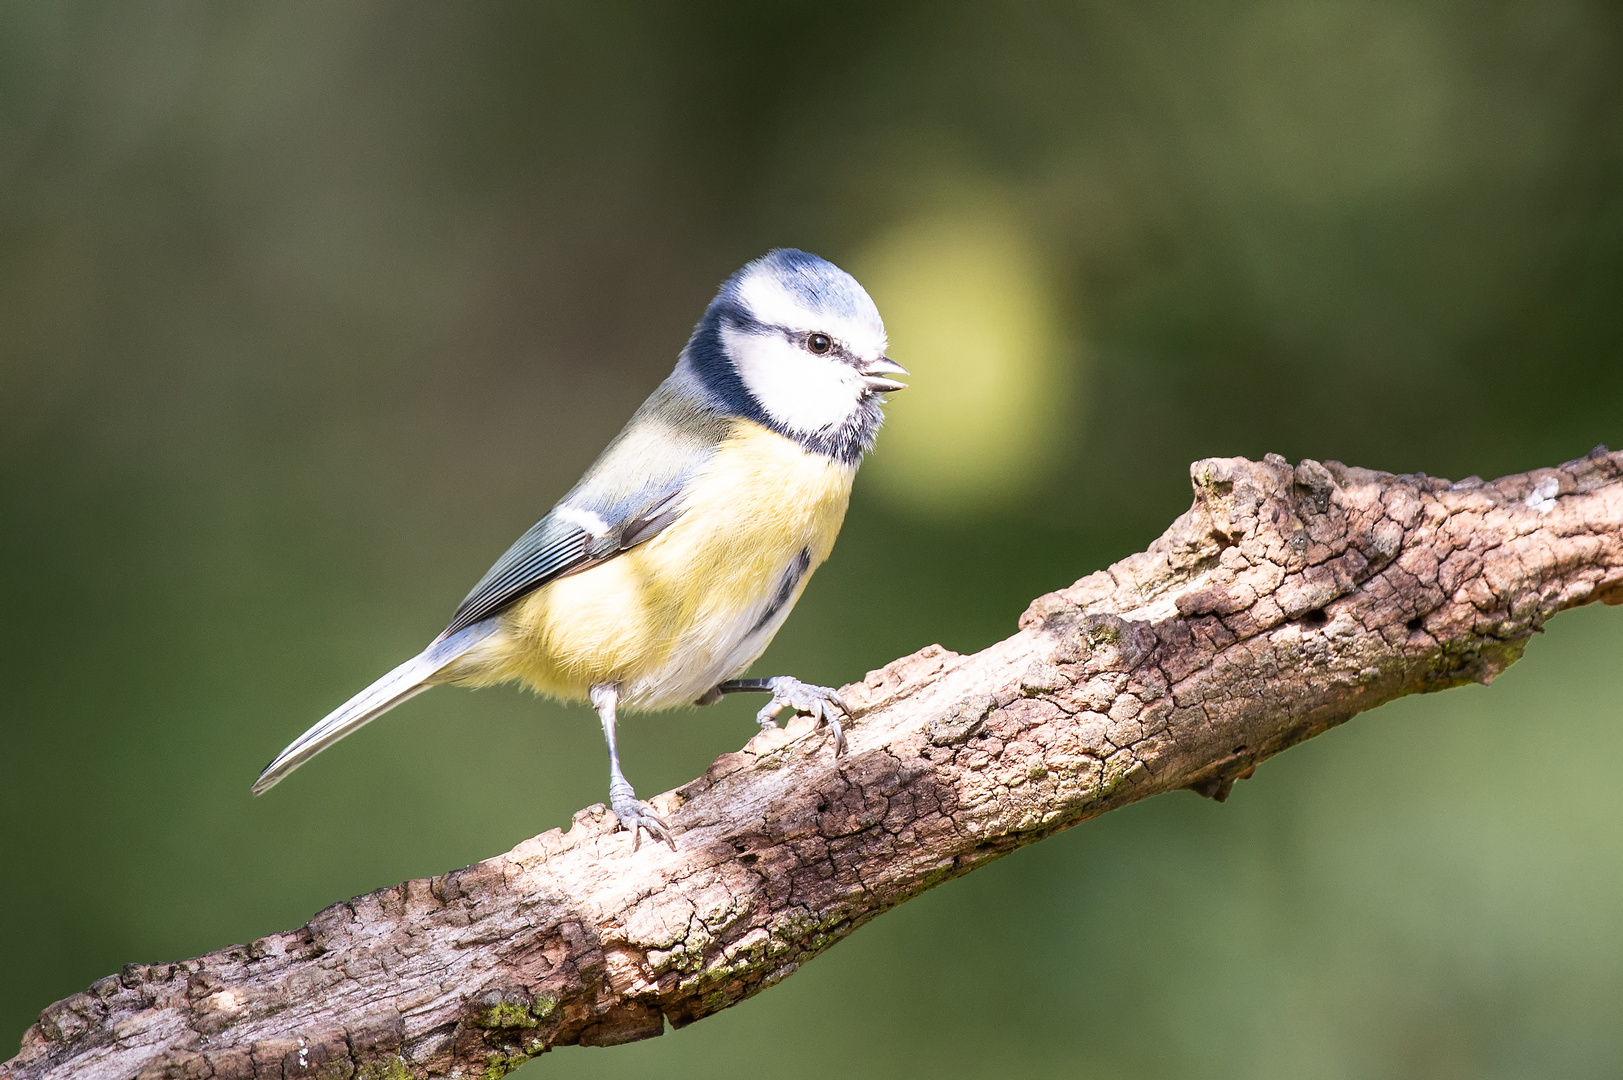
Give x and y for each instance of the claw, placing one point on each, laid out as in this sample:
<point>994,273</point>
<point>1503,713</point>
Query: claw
<point>768,716</point>
<point>631,815</point>
<point>818,702</point>
<point>657,829</point>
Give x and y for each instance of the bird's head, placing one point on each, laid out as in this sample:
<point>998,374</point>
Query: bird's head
<point>793,342</point>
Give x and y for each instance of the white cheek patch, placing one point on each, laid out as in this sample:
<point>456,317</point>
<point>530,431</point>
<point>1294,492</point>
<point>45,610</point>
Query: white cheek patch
<point>804,393</point>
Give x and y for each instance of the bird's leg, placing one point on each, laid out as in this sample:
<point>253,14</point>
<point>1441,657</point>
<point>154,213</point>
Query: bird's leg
<point>823,703</point>
<point>622,799</point>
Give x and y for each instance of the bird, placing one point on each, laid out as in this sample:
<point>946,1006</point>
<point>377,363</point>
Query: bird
<point>665,572</point>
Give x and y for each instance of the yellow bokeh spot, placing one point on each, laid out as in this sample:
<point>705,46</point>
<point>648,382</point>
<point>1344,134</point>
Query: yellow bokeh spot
<point>970,313</point>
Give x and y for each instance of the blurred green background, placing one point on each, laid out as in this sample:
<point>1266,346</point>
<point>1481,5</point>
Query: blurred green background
<point>306,310</point>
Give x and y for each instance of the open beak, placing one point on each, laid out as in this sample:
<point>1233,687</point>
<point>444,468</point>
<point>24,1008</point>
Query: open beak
<point>873,375</point>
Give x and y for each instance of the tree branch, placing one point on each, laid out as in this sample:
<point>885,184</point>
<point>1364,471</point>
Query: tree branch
<point>1283,603</point>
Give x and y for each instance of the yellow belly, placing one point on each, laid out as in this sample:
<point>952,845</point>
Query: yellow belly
<point>670,618</point>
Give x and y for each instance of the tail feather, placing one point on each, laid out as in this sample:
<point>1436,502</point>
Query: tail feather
<point>404,682</point>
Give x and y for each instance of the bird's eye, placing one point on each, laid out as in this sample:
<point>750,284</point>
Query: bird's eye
<point>819,343</point>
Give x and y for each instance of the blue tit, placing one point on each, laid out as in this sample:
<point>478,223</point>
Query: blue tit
<point>666,571</point>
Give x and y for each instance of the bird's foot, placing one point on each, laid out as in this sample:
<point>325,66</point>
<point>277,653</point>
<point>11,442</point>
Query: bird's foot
<point>633,816</point>
<point>822,703</point>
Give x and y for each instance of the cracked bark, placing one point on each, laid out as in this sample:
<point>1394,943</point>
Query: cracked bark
<point>1285,601</point>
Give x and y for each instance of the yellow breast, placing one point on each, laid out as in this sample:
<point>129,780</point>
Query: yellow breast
<point>669,619</point>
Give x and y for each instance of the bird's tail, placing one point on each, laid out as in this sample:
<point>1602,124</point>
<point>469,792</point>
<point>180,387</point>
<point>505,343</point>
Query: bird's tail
<point>406,681</point>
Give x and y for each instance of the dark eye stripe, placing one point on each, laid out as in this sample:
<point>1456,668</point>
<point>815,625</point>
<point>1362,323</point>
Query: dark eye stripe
<point>837,348</point>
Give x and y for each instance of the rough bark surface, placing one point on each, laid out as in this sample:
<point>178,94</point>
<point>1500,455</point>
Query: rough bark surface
<point>1288,599</point>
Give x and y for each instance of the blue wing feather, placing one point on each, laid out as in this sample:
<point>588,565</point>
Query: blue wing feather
<point>547,550</point>
<point>634,490</point>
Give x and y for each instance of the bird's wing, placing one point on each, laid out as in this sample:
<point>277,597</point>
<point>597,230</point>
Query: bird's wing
<point>568,539</point>
<point>629,495</point>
